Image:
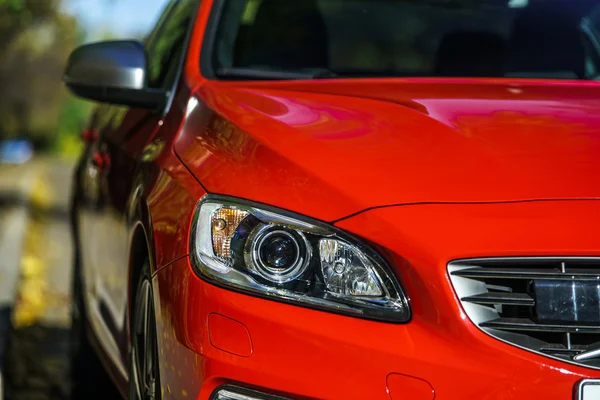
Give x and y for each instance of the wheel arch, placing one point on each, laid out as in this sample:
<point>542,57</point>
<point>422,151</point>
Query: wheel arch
<point>139,255</point>
<point>141,246</point>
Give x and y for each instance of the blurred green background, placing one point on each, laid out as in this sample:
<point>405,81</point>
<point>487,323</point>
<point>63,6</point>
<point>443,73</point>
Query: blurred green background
<point>36,37</point>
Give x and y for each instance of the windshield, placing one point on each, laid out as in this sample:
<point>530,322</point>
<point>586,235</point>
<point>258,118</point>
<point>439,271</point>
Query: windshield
<point>281,39</point>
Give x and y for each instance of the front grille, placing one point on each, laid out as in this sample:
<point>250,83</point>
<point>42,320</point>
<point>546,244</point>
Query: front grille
<point>549,306</point>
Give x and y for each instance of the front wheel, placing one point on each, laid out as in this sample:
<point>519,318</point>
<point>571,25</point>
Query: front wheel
<point>144,380</point>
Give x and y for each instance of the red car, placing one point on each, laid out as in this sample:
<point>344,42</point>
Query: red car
<point>342,199</point>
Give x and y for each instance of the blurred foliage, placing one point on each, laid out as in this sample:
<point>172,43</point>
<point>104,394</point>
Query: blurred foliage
<point>16,15</point>
<point>74,114</point>
<point>36,38</point>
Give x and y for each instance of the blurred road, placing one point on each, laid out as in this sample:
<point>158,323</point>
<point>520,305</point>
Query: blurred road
<point>35,262</point>
<point>15,188</point>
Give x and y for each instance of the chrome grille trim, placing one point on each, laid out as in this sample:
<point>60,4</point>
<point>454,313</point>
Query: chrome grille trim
<point>496,294</point>
<point>527,325</point>
<point>527,274</point>
<point>517,299</point>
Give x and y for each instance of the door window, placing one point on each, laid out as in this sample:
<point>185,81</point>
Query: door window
<point>166,44</point>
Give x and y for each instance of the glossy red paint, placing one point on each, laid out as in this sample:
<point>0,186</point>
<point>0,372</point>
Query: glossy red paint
<point>307,353</point>
<point>330,149</point>
<point>229,335</point>
<point>303,353</point>
<point>406,387</point>
<point>426,170</point>
<point>142,199</point>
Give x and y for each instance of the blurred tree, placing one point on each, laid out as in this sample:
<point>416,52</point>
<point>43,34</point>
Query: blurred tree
<point>36,37</point>
<point>16,15</point>
<point>35,41</point>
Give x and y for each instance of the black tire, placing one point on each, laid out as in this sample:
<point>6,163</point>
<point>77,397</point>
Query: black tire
<point>144,371</point>
<point>89,379</point>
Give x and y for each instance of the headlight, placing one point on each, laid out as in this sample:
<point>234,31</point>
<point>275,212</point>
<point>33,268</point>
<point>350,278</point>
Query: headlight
<point>271,253</point>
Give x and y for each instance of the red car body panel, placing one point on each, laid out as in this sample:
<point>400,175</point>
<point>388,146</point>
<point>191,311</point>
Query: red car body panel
<point>173,199</point>
<point>426,170</point>
<point>141,196</point>
<point>331,149</point>
<point>306,353</point>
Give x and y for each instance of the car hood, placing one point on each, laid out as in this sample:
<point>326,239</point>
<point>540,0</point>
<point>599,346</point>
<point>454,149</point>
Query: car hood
<point>333,148</point>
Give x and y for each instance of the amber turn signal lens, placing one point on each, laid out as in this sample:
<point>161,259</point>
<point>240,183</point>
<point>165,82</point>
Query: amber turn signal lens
<point>224,222</point>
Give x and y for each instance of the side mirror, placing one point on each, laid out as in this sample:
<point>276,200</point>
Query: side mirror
<point>113,72</point>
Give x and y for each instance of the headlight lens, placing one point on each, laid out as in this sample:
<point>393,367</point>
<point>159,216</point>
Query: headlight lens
<point>277,254</point>
<point>288,258</point>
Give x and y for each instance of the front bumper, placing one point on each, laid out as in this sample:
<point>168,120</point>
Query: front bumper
<point>302,353</point>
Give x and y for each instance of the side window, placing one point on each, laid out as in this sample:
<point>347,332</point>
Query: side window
<point>166,44</point>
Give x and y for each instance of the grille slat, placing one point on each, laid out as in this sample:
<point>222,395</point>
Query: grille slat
<point>528,274</point>
<point>523,324</point>
<point>547,305</point>
<point>492,298</point>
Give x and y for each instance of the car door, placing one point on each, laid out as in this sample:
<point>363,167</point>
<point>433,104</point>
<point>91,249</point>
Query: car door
<point>88,201</point>
<point>123,133</point>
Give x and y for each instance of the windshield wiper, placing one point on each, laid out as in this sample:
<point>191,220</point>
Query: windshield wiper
<point>265,74</point>
<point>593,351</point>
